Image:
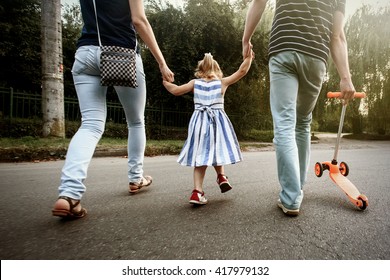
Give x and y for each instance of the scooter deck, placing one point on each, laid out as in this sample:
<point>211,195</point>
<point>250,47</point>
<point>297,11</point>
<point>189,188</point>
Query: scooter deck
<point>346,185</point>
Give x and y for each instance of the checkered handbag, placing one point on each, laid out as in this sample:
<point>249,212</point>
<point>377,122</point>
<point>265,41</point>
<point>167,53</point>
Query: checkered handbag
<point>117,64</point>
<point>118,67</point>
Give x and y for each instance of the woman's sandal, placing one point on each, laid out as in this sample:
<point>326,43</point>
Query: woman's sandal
<point>136,187</point>
<point>71,213</point>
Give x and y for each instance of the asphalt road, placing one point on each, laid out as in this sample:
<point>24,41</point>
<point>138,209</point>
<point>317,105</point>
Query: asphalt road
<point>159,223</point>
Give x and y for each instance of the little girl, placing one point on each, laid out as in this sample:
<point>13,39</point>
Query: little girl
<point>211,138</point>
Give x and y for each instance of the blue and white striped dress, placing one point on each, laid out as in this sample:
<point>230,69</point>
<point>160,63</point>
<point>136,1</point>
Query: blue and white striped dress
<point>211,138</point>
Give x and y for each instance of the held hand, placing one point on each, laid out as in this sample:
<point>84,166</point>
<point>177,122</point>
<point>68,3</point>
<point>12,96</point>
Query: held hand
<point>246,49</point>
<point>251,54</point>
<point>167,74</point>
<point>347,90</point>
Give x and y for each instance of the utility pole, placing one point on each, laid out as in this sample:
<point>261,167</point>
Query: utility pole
<point>52,70</point>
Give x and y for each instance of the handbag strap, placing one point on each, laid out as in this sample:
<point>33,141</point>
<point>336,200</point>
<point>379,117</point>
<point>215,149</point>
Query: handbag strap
<point>97,23</point>
<point>97,27</point>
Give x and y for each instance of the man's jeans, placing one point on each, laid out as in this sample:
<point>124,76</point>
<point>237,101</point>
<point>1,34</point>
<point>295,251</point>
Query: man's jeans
<point>296,81</point>
<point>92,101</point>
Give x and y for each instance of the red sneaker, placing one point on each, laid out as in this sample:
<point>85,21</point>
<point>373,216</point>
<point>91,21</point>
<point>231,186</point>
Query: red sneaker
<point>198,197</point>
<point>223,183</point>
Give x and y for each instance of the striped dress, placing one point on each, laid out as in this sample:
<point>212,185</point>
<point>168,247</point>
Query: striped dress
<point>211,138</point>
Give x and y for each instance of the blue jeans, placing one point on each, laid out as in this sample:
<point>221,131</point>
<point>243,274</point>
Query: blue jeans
<point>296,81</point>
<point>92,102</point>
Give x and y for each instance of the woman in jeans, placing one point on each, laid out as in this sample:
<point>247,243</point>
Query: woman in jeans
<point>119,20</point>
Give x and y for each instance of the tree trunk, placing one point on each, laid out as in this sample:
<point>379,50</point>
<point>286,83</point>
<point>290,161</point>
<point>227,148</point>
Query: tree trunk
<point>52,70</point>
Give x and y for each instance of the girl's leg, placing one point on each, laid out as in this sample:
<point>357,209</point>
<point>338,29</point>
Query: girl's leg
<point>92,102</point>
<point>197,196</point>
<point>199,173</point>
<point>222,179</point>
<point>220,169</point>
<point>133,101</point>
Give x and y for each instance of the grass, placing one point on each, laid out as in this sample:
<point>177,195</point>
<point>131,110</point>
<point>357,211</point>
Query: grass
<point>34,148</point>
<point>365,136</point>
<point>29,142</point>
<point>37,149</point>
<point>30,148</point>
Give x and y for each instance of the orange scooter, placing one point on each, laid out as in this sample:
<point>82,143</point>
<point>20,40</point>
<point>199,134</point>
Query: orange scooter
<point>338,172</point>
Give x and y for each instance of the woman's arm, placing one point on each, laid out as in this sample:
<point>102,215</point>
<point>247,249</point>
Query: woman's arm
<point>146,33</point>
<point>179,90</point>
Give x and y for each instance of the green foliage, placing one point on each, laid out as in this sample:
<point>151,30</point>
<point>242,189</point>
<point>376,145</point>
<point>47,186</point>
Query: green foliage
<point>20,61</point>
<point>25,128</point>
<point>258,136</point>
<point>154,148</point>
<point>368,39</point>
<point>18,128</point>
<point>209,26</point>
<point>71,30</point>
<point>247,105</point>
<point>369,47</point>
<point>184,34</point>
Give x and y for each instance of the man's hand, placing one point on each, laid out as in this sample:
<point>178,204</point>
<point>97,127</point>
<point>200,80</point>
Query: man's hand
<point>347,90</point>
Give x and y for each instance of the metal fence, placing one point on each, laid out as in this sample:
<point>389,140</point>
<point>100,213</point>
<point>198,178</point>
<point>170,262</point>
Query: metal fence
<point>17,104</point>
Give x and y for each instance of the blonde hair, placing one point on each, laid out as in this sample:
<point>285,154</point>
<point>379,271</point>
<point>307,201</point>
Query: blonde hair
<point>208,68</point>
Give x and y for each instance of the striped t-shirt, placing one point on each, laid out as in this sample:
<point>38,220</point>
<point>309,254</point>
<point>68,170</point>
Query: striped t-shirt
<point>304,26</point>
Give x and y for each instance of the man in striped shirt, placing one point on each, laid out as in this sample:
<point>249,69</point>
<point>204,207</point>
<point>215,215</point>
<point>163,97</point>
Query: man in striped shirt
<point>304,33</point>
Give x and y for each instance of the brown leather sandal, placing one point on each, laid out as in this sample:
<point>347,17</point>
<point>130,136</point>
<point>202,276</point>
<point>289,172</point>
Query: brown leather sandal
<point>71,213</point>
<point>136,187</point>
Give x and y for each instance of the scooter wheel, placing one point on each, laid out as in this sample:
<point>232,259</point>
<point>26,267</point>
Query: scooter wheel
<point>364,201</point>
<point>364,204</point>
<point>318,169</point>
<point>344,169</point>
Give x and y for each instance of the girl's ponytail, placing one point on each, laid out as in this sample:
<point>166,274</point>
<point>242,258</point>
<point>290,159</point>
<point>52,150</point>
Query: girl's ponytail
<point>208,68</point>
<point>208,61</point>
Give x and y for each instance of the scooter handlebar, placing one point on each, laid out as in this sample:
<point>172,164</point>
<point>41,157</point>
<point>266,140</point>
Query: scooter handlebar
<point>337,94</point>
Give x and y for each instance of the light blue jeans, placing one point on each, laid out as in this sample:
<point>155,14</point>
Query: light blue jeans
<point>296,81</point>
<point>92,102</point>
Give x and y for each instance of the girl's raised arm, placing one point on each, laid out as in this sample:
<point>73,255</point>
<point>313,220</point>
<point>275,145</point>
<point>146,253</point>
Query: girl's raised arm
<point>179,90</point>
<point>241,72</point>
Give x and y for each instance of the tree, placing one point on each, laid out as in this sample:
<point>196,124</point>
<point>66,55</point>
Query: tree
<point>20,65</point>
<point>253,99</point>
<point>52,70</point>
<point>184,35</point>
<point>369,47</point>
<point>71,30</point>
<point>369,51</point>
